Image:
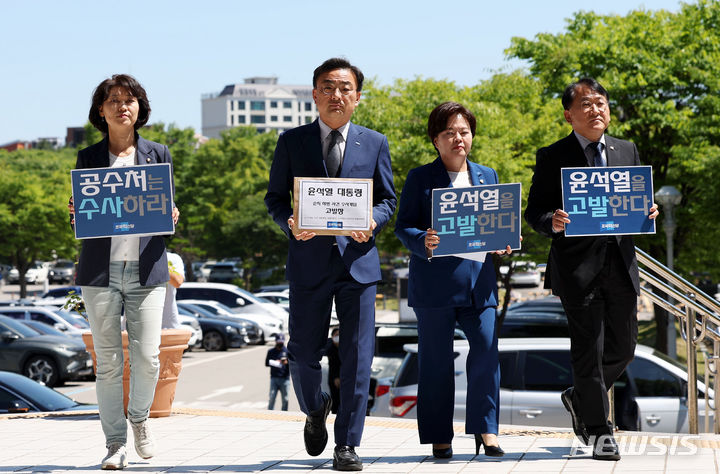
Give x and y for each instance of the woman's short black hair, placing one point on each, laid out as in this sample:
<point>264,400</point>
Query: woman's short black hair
<point>103,90</point>
<point>437,122</point>
<point>338,63</point>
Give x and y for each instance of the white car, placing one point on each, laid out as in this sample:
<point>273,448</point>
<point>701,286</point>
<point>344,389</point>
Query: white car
<point>524,273</point>
<point>36,274</point>
<point>59,319</point>
<point>270,325</point>
<point>280,298</point>
<point>239,300</point>
<point>194,326</point>
<point>535,371</point>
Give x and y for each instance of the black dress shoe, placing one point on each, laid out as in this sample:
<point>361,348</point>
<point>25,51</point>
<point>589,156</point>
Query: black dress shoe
<point>442,453</point>
<point>494,451</point>
<point>316,435</point>
<point>577,424</point>
<point>605,448</point>
<point>345,459</point>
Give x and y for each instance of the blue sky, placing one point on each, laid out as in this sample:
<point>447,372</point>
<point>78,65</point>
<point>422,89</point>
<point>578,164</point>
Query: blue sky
<point>54,53</point>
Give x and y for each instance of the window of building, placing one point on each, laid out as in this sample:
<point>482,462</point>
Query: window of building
<point>273,104</point>
<point>287,118</point>
<point>232,120</point>
<point>232,105</point>
<point>241,105</point>
<point>241,119</point>
<point>257,105</point>
<point>287,104</point>
<point>308,119</point>
<point>308,106</point>
<point>273,118</point>
<point>257,119</point>
<point>261,130</point>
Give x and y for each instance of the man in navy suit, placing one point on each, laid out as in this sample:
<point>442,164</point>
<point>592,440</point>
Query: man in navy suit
<point>596,278</point>
<point>323,268</point>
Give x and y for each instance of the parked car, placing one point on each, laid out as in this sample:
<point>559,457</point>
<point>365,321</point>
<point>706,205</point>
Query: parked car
<point>524,273</point>
<point>57,296</point>
<point>255,335</point>
<point>49,360</point>
<point>239,300</point>
<point>280,298</point>
<point>534,372</point>
<point>281,287</point>
<point>37,273</point>
<point>191,323</point>
<point>62,320</point>
<point>269,325</point>
<point>219,334</point>
<point>19,394</point>
<point>225,272</point>
<point>50,330</point>
<point>63,271</point>
<point>390,340</point>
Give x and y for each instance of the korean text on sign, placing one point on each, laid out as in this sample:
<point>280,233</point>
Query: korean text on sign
<point>133,200</point>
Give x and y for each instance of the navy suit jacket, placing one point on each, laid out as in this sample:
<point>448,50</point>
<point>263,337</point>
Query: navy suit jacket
<point>94,262</point>
<point>299,154</point>
<point>441,281</point>
<point>574,262</point>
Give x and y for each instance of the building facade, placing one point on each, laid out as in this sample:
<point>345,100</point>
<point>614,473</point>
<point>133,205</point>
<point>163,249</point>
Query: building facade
<point>259,102</point>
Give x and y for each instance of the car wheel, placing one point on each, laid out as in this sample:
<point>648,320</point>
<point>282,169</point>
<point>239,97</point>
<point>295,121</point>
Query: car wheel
<point>213,341</point>
<point>43,370</point>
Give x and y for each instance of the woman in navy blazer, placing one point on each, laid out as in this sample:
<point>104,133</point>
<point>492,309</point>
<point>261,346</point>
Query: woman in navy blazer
<point>446,290</point>
<point>123,274</point>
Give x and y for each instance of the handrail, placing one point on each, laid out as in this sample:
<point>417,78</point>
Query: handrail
<point>699,315</point>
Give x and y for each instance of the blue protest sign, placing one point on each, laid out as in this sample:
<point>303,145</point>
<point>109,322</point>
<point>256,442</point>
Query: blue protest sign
<point>608,200</point>
<point>132,200</point>
<point>476,219</point>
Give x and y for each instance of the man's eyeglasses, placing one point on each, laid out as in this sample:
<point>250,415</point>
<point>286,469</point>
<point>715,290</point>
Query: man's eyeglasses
<point>330,89</point>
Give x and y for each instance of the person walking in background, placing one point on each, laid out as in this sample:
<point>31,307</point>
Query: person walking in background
<point>123,273</point>
<point>176,269</point>
<point>446,291</point>
<point>596,278</point>
<point>333,378</point>
<point>277,360</point>
<point>323,268</point>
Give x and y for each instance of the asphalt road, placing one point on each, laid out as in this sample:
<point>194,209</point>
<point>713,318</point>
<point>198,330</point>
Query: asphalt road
<point>234,380</point>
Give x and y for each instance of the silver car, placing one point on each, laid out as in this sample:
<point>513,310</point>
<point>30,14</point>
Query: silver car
<point>535,371</point>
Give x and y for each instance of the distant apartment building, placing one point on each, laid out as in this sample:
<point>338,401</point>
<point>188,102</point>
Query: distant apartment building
<point>259,102</point>
<point>16,145</point>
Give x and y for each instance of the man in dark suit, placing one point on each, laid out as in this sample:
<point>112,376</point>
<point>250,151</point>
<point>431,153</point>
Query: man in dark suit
<point>596,278</point>
<point>323,268</point>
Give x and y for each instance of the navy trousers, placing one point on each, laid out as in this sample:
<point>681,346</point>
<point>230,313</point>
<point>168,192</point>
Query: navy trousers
<point>436,365</point>
<point>310,309</point>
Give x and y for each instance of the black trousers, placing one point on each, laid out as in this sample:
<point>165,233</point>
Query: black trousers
<point>603,334</point>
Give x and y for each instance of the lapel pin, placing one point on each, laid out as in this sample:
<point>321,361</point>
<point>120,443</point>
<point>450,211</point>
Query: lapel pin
<point>482,181</point>
<point>612,147</point>
<point>147,160</point>
<point>357,143</point>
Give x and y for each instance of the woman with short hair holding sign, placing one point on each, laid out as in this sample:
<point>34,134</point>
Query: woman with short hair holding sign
<point>123,274</point>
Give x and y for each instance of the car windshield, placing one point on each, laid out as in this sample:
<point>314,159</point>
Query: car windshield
<point>76,320</point>
<point>64,265</point>
<point>43,328</point>
<point>60,292</point>
<point>200,311</point>
<point>47,398</point>
<point>9,324</point>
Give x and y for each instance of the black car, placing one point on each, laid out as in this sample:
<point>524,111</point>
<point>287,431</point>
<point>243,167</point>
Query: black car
<point>50,360</point>
<point>218,334</point>
<point>253,330</point>
<point>543,317</point>
<point>19,394</point>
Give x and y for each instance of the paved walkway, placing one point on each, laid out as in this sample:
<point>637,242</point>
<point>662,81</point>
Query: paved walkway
<point>204,441</point>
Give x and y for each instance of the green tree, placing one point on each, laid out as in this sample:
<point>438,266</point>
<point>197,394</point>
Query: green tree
<point>34,192</point>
